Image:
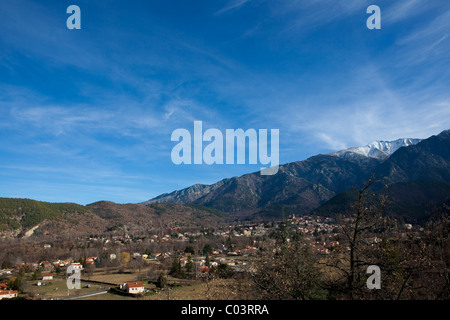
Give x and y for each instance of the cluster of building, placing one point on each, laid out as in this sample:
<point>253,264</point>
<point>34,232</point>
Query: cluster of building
<point>6,293</point>
<point>47,266</point>
<point>308,225</point>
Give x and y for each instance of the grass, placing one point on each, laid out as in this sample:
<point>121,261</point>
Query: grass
<point>117,278</point>
<point>57,289</point>
<point>187,289</point>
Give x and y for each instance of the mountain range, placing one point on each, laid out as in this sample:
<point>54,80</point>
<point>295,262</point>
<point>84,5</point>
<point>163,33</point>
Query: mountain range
<point>300,187</point>
<point>412,174</point>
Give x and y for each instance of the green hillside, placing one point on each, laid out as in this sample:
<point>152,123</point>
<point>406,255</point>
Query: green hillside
<point>26,213</point>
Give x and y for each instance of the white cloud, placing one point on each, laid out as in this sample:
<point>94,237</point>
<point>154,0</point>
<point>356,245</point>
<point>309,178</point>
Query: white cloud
<point>232,5</point>
<point>358,125</point>
<point>405,9</point>
<point>438,27</point>
<point>301,16</point>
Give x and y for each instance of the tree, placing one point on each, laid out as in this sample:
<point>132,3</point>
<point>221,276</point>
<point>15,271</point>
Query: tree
<point>16,283</point>
<point>176,266</point>
<point>37,274</point>
<point>230,243</point>
<point>6,264</point>
<point>90,269</point>
<point>176,269</point>
<point>162,281</point>
<point>189,265</point>
<point>440,238</point>
<point>289,274</point>
<point>207,249</point>
<point>224,270</point>
<point>189,249</point>
<point>58,269</point>
<point>124,258</point>
<point>82,261</point>
<point>359,230</point>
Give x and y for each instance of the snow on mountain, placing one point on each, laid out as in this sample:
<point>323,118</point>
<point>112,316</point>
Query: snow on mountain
<point>377,149</point>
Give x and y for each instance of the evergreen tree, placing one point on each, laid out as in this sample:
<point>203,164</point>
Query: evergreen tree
<point>189,249</point>
<point>176,266</point>
<point>37,274</point>
<point>190,264</point>
<point>162,281</point>
<point>207,249</point>
<point>207,262</point>
<point>176,269</point>
<point>230,243</point>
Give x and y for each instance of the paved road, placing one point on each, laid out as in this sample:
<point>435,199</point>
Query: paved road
<point>84,295</point>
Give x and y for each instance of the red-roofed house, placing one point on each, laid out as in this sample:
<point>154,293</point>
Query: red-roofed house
<point>183,261</point>
<point>76,266</point>
<point>7,294</point>
<point>34,266</point>
<point>47,276</point>
<point>203,269</point>
<point>133,287</point>
<point>47,265</point>
<point>91,260</point>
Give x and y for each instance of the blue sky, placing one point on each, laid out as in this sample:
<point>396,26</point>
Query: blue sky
<point>87,115</point>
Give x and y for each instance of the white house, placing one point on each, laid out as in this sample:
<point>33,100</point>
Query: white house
<point>133,287</point>
<point>47,276</point>
<point>76,266</point>
<point>7,294</point>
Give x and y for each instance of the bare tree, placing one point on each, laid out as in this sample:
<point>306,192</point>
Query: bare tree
<point>287,270</point>
<point>414,265</point>
<point>361,229</point>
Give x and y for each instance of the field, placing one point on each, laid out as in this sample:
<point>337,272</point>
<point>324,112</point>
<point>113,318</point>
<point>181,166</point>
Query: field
<point>184,289</point>
<point>57,289</point>
<point>194,291</point>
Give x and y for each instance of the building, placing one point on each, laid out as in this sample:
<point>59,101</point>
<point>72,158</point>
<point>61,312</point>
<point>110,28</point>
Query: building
<point>91,260</point>
<point>46,265</point>
<point>7,294</point>
<point>133,287</point>
<point>183,262</point>
<point>203,269</point>
<point>76,266</point>
<point>47,276</point>
<point>34,266</point>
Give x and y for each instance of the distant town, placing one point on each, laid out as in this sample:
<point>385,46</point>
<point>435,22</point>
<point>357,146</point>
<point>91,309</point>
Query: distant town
<point>123,266</point>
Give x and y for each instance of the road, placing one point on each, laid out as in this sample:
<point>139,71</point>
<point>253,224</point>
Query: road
<point>84,295</point>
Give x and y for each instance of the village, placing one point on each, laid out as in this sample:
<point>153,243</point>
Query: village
<point>125,265</point>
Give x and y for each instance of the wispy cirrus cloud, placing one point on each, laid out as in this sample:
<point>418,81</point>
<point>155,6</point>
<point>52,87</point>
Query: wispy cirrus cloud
<point>231,5</point>
<point>103,101</point>
<point>403,9</point>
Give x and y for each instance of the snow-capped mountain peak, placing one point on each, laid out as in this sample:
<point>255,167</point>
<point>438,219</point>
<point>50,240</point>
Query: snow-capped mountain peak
<point>377,149</point>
